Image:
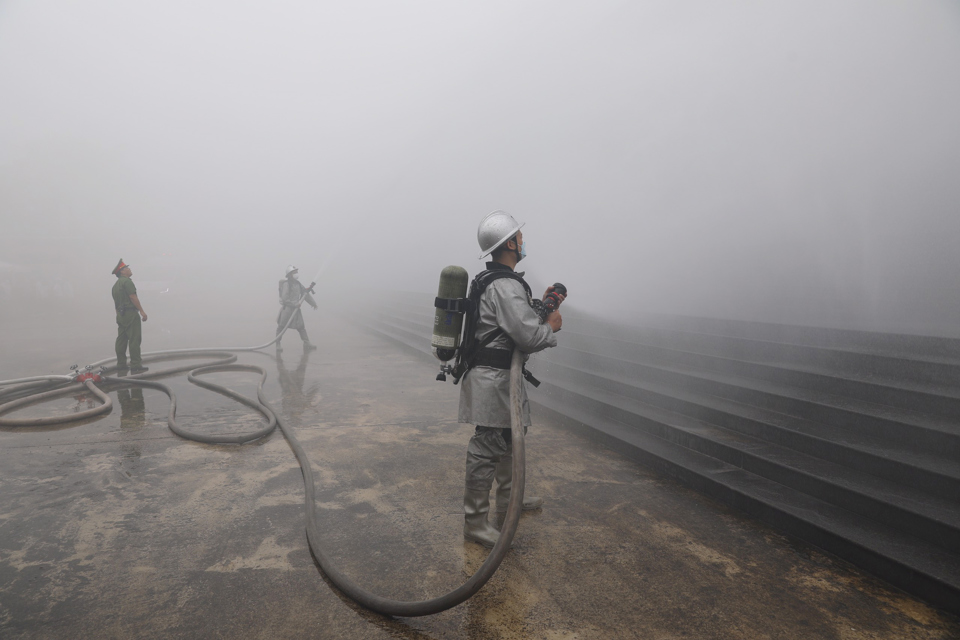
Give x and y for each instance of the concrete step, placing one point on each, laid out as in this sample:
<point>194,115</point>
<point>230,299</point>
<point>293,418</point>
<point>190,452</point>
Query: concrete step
<point>403,335</point>
<point>921,371</point>
<point>411,323</point>
<point>935,400</point>
<point>846,417</point>
<point>685,420</point>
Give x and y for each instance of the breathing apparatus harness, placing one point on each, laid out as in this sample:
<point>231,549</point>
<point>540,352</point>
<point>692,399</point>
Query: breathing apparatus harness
<point>472,352</point>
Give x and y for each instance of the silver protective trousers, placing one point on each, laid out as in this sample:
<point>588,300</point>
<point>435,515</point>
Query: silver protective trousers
<point>485,449</point>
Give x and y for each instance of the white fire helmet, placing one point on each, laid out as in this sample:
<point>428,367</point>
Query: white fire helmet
<point>495,229</point>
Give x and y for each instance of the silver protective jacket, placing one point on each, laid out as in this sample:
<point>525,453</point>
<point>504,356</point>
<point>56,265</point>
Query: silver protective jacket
<point>485,391</point>
<point>290,292</point>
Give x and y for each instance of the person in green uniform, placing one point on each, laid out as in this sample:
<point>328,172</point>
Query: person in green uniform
<point>129,314</point>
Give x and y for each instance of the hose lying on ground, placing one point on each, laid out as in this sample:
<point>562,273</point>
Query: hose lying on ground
<point>368,600</point>
<point>46,395</point>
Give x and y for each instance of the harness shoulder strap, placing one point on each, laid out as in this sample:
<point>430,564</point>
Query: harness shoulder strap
<point>485,278</point>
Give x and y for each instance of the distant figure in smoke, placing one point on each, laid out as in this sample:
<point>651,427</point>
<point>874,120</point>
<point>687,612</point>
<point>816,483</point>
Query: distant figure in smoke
<point>290,293</point>
<point>129,314</point>
<point>508,320</point>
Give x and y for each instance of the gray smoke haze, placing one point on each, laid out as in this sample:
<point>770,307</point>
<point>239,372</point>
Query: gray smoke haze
<point>789,161</point>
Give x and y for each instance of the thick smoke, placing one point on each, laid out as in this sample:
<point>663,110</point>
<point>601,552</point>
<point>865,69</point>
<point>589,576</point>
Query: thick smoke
<point>794,161</point>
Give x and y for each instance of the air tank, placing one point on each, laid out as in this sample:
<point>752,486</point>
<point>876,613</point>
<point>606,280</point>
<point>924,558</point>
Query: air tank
<point>447,324</point>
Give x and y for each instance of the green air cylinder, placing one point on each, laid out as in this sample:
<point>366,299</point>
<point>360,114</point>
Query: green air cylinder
<point>447,324</point>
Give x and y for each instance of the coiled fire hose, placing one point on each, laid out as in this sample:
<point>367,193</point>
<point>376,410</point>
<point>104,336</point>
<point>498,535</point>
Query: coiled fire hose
<point>364,598</point>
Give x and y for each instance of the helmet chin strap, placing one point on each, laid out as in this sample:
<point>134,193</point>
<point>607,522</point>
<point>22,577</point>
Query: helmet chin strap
<point>505,247</point>
<point>517,250</point>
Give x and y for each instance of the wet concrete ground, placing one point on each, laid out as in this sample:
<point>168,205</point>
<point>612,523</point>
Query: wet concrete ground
<point>117,528</point>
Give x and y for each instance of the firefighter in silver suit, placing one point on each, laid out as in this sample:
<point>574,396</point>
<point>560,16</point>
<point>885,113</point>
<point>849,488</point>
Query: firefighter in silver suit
<point>507,306</point>
<point>290,293</point>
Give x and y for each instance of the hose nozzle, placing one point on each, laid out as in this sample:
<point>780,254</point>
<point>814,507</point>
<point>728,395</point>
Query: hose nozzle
<point>552,300</point>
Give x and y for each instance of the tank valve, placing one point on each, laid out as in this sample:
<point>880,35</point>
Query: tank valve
<point>444,370</point>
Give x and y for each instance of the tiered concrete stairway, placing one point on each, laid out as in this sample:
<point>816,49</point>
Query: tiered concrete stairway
<point>848,440</point>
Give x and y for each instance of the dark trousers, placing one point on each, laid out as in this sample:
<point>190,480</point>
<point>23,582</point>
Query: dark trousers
<point>128,333</point>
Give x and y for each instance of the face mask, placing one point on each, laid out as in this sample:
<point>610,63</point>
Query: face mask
<point>296,276</point>
<point>523,250</point>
